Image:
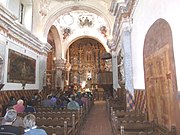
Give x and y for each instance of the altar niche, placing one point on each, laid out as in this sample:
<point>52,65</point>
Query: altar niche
<point>85,59</point>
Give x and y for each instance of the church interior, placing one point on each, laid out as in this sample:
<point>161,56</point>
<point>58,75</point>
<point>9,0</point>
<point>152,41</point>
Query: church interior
<point>117,60</point>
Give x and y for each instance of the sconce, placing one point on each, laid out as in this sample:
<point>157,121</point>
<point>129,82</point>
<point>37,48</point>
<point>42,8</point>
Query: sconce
<point>23,84</point>
<point>1,86</point>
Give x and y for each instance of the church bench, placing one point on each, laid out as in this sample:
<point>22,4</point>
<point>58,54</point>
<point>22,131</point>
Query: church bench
<point>162,130</point>
<point>71,122</point>
<point>115,104</point>
<point>57,130</point>
<point>148,128</point>
<point>133,128</point>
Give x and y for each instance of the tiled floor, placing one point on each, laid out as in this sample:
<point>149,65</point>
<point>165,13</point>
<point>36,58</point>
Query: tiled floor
<point>97,122</point>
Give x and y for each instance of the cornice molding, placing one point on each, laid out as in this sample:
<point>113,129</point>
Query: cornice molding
<point>12,29</point>
<point>122,11</point>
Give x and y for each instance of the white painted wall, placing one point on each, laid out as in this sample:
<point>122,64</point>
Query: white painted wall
<point>2,55</point>
<point>4,2</point>
<point>14,6</point>
<point>146,13</point>
<point>25,51</point>
<point>27,21</point>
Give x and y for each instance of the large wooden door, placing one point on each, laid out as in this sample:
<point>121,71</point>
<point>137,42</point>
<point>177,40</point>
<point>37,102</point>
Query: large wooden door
<point>159,85</point>
<point>160,75</point>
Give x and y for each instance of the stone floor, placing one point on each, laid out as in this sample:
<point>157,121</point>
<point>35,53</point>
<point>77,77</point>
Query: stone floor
<point>97,122</point>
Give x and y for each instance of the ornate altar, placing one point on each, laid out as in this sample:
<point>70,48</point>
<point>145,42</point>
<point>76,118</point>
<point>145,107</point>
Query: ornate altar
<point>85,59</point>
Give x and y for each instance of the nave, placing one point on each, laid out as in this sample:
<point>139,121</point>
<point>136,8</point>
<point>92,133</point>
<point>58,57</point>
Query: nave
<point>51,45</point>
<point>97,122</point>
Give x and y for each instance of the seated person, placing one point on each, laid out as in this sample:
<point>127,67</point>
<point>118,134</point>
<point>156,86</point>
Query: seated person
<point>53,98</point>
<point>84,98</point>
<point>48,102</point>
<point>59,104</point>
<point>29,107</point>
<point>30,126</point>
<point>36,99</point>
<point>7,128</point>
<point>12,101</point>
<point>18,121</point>
<point>73,105</point>
<point>79,101</point>
<point>19,107</point>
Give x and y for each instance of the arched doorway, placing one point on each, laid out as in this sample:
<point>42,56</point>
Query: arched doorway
<point>54,74</point>
<point>160,77</point>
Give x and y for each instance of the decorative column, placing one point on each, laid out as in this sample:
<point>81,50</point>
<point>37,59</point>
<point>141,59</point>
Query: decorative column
<point>60,73</point>
<point>111,45</point>
<point>126,45</point>
<point>115,72</point>
<point>67,69</point>
<point>80,66</point>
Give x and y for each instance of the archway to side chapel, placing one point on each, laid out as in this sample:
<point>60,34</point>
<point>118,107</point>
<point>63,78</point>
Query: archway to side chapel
<point>160,76</point>
<point>54,76</point>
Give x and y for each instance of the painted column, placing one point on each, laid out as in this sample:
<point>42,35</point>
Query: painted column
<point>60,73</point>
<point>115,72</point>
<point>42,71</point>
<point>126,45</point>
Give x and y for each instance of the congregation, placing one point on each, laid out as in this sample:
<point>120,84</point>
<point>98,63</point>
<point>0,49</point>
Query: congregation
<point>20,115</point>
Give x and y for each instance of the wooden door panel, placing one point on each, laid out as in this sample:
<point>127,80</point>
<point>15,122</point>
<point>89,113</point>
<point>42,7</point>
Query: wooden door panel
<point>158,85</point>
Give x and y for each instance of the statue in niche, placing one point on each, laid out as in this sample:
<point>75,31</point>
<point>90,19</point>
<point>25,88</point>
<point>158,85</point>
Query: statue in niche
<point>89,77</point>
<point>88,52</point>
<point>88,55</point>
<point>89,80</point>
<point>48,81</point>
<point>58,81</point>
<point>122,66</point>
<point>75,79</point>
<point>44,79</point>
<point>1,69</point>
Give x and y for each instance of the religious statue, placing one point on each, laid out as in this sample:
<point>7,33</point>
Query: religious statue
<point>48,81</point>
<point>1,69</point>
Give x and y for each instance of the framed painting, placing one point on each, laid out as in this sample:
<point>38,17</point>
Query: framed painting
<point>21,68</point>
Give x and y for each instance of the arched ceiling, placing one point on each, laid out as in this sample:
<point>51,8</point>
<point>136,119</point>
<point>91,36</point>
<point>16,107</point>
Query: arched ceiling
<point>79,23</point>
<point>75,19</point>
<point>78,19</point>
